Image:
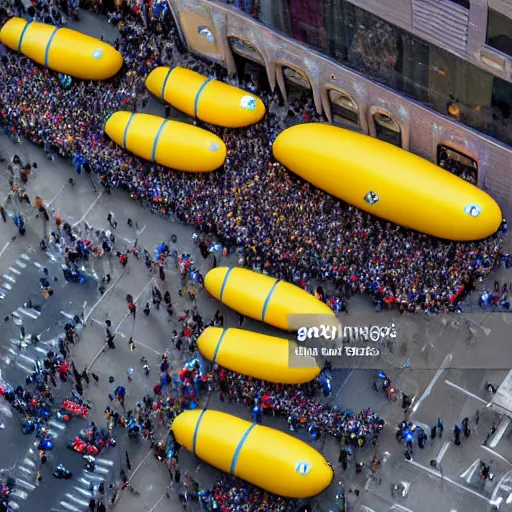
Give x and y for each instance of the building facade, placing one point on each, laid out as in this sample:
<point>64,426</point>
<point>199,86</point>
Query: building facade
<point>432,76</point>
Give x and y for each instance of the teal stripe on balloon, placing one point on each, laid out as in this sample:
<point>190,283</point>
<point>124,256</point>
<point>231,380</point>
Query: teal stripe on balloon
<point>47,51</point>
<point>155,144</point>
<point>165,82</point>
<point>218,345</point>
<point>239,448</point>
<point>196,431</point>
<point>267,300</point>
<point>126,129</point>
<point>23,32</point>
<point>224,283</point>
<point>201,89</point>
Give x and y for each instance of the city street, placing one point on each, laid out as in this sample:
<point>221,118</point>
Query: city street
<point>443,363</point>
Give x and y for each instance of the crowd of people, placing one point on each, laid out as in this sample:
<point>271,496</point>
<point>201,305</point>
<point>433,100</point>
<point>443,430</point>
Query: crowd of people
<point>279,224</point>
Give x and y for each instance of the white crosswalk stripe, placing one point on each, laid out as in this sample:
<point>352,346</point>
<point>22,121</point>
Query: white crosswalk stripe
<point>29,462</point>
<point>56,424</point>
<point>20,494</point>
<point>21,264</point>
<point>53,433</point>
<point>25,257</point>
<point>28,370</point>
<point>41,350</point>
<point>30,312</point>
<point>9,278</point>
<point>69,507</point>
<point>6,286</point>
<point>24,484</point>
<point>15,271</point>
<point>25,470</point>
<point>6,411</point>
<point>14,505</point>
<point>76,500</point>
<point>81,491</point>
<point>104,462</point>
<point>101,470</point>
<point>29,359</point>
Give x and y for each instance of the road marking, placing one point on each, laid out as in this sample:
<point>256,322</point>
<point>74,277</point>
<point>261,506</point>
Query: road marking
<point>28,486</point>
<point>9,278</point>
<point>15,271</point>
<point>21,264</point>
<point>5,247</point>
<point>28,370</point>
<point>446,362</point>
<point>80,502</point>
<point>25,257</point>
<point>7,286</point>
<point>399,508</point>
<point>41,350</point>
<point>468,474</point>
<point>442,451</point>
<point>56,195</point>
<point>29,462</point>
<point>104,471</point>
<point>68,506</point>
<point>81,491</point>
<point>449,480</point>
<point>465,391</point>
<point>25,470</point>
<point>53,433</point>
<point>87,212</point>
<point>496,438</point>
<point>496,454</point>
<point>29,359</point>
<point>14,505</point>
<point>56,424</point>
<point>91,477</point>
<point>20,494</point>
<point>32,313</point>
<point>105,462</point>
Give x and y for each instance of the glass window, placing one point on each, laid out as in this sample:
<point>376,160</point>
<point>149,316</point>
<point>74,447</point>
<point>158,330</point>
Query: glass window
<point>343,108</point>
<point>387,54</point>
<point>499,32</point>
<point>387,129</point>
<point>462,3</point>
<point>457,163</point>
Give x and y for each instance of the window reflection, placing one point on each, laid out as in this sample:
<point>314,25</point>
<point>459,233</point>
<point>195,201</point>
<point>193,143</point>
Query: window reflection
<point>387,129</point>
<point>397,59</point>
<point>499,32</point>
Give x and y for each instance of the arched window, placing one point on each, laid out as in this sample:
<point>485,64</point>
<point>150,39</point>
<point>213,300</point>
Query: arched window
<point>387,129</point>
<point>457,163</point>
<point>245,49</point>
<point>343,108</point>
<point>293,76</point>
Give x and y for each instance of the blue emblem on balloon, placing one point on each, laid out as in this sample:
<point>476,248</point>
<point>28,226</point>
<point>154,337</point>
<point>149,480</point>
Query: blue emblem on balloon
<point>303,468</point>
<point>214,146</point>
<point>248,103</point>
<point>97,54</point>
<point>473,209</point>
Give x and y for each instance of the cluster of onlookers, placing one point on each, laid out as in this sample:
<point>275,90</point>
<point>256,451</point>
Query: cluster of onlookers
<point>278,223</point>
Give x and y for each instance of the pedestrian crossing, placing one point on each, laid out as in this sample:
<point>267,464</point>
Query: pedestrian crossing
<point>86,487</point>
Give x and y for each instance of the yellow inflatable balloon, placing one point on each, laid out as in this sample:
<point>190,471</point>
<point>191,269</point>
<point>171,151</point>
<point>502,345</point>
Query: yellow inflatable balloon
<point>267,299</point>
<point>263,456</point>
<point>62,49</point>
<point>388,182</point>
<point>263,357</point>
<point>172,144</point>
<point>209,100</point>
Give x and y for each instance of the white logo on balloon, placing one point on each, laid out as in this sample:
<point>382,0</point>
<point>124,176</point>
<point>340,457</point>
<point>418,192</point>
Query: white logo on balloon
<point>97,54</point>
<point>248,103</point>
<point>303,468</point>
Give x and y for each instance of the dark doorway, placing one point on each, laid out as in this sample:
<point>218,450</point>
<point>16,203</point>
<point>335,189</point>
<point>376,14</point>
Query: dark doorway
<point>457,163</point>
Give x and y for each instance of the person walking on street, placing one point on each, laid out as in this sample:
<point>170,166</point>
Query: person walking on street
<point>112,220</point>
<point>440,427</point>
<point>131,344</point>
<point>456,433</point>
<point>465,427</point>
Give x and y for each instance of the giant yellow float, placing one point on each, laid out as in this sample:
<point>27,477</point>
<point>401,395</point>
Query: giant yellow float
<point>263,357</point>
<point>209,100</point>
<point>263,456</point>
<point>267,299</point>
<point>172,144</point>
<point>62,49</point>
<point>388,182</point>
